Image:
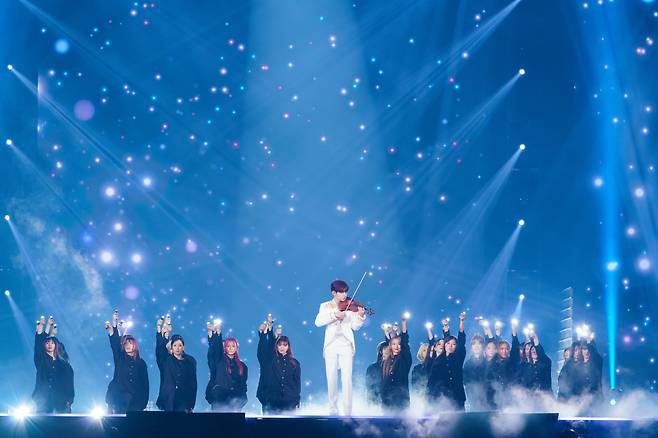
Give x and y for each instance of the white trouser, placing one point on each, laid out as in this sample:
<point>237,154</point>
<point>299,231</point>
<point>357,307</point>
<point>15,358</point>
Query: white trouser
<point>339,355</point>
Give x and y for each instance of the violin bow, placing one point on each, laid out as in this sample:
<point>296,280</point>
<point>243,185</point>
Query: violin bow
<point>357,289</point>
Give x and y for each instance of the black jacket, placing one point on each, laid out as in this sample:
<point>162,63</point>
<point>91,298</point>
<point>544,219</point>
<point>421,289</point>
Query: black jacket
<point>537,376</point>
<point>224,386</point>
<point>53,389</point>
<point>129,388</point>
<point>285,387</point>
<point>395,384</point>
<point>446,377</point>
<point>177,379</point>
<point>282,375</point>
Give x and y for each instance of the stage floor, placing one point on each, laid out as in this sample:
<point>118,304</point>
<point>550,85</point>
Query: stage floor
<point>471,424</point>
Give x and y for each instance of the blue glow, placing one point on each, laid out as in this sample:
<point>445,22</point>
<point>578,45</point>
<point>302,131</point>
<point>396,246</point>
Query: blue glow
<point>62,46</point>
<point>237,172</point>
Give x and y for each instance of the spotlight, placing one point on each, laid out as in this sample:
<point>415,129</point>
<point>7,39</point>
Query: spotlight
<point>21,411</point>
<point>406,315</point>
<point>521,222</point>
<point>7,293</point>
<point>612,266</point>
<point>10,67</point>
<point>97,413</point>
<point>9,142</point>
<point>429,325</point>
<point>522,147</point>
<point>521,297</point>
<point>613,402</point>
<point>522,71</point>
<point>7,217</point>
<point>129,324</point>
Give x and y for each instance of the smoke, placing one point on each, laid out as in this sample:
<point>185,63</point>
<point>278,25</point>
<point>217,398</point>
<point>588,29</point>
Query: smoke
<point>425,419</point>
<point>63,277</point>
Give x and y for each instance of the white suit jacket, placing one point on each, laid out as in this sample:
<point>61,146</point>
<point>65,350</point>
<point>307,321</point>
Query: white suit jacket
<point>334,327</point>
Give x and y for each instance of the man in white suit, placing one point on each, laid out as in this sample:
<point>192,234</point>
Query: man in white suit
<point>339,346</point>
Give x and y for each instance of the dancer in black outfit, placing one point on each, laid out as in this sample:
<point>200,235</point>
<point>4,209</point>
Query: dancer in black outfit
<point>178,384</point>
<point>53,390</point>
<point>129,388</point>
<point>474,375</point>
<point>280,373</point>
<point>227,388</point>
<point>565,378</point>
<point>535,374</point>
<point>395,371</point>
<point>374,376</point>
<point>446,377</point>
<point>502,371</point>
<point>419,371</point>
<point>283,385</point>
<point>592,370</point>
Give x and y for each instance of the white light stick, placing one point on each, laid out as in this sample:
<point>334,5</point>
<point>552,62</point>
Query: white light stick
<point>515,322</point>
<point>429,325</point>
<point>406,315</point>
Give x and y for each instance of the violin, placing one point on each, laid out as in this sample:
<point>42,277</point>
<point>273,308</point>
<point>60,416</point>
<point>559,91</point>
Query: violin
<point>353,306</point>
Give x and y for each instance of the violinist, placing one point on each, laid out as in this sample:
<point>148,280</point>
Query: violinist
<point>339,345</point>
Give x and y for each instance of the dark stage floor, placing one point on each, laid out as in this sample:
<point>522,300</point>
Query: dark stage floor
<point>474,424</point>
